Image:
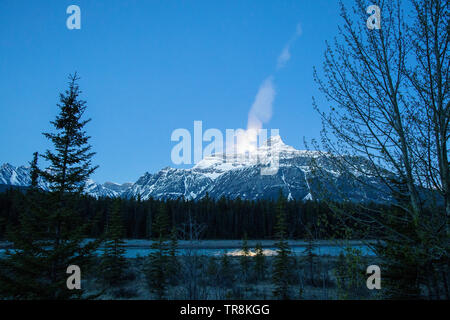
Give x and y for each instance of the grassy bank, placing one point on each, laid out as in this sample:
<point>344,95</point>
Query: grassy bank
<point>202,277</point>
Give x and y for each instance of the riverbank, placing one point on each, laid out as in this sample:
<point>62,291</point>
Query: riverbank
<point>204,278</point>
<point>233,244</point>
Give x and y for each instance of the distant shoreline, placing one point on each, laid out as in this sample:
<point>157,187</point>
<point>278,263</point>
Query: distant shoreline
<point>232,244</point>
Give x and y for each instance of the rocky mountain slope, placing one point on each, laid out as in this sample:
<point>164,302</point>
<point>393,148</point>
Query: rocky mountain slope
<point>299,174</point>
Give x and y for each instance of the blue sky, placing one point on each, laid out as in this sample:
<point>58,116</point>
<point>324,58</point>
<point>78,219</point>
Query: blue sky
<point>150,67</point>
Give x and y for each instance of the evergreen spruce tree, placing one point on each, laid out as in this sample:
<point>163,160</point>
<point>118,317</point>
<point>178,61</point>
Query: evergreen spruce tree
<point>149,221</point>
<point>350,274</point>
<point>34,171</point>
<point>159,257</point>
<point>173,263</point>
<point>212,270</point>
<point>49,237</point>
<point>260,262</point>
<point>309,254</point>
<point>281,270</point>
<point>244,258</point>
<point>113,262</point>
<point>226,271</point>
<point>21,274</point>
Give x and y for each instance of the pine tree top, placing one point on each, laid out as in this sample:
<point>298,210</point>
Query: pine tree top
<point>70,161</point>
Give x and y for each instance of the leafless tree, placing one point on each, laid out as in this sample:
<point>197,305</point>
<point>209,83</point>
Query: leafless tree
<point>192,262</point>
<point>430,97</point>
<point>191,230</point>
<point>388,92</point>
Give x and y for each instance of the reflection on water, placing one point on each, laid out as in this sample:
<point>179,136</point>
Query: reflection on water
<point>299,251</point>
<point>320,251</point>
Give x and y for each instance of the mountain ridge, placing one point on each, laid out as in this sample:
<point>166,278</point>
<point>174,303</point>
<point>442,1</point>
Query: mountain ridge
<point>236,176</point>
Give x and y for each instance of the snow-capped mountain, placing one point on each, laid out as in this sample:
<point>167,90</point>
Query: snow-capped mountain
<point>242,177</point>
<point>20,177</point>
<point>107,189</point>
<point>252,176</point>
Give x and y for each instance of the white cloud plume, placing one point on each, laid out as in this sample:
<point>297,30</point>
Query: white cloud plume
<point>285,55</point>
<point>283,58</point>
<point>261,110</point>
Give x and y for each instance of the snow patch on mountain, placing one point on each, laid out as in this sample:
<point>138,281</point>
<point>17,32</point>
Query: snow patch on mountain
<point>234,176</point>
<point>20,176</point>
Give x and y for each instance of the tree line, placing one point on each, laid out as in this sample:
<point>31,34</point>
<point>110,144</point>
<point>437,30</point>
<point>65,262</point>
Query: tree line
<point>220,219</point>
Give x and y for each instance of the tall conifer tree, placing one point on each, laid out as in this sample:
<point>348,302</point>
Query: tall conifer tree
<point>260,263</point>
<point>157,274</point>
<point>36,269</point>
<point>174,266</point>
<point>244,259</point>
<point>113,259</point>
<point>281,271</point>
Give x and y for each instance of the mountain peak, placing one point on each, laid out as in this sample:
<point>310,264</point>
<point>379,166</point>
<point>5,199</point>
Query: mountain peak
<point>274,141</point>
<point>7,165</point>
